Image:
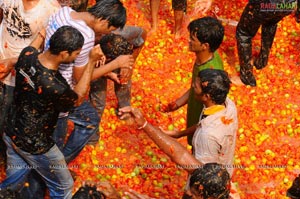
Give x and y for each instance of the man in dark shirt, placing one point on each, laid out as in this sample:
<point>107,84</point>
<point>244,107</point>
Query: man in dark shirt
<point>265,14</point>
<point>40,94</point>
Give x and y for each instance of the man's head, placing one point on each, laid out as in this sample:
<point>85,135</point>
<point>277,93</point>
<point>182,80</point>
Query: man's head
<point>113,45</point>
<point>294,191</point>
<point>206,32</point>
<point>66,42</point>
<point>212,86</point>
<point>88,192</point>
<point>77,5</point>
<point>109,15</point>
<point>210,182</point>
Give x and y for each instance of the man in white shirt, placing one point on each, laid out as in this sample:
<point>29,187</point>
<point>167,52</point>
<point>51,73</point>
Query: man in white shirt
<point>21,23</point>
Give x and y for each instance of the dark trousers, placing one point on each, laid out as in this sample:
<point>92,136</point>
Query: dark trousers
<point>252,18</point>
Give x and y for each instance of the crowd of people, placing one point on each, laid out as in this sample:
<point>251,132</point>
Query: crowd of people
<point>54,67</point>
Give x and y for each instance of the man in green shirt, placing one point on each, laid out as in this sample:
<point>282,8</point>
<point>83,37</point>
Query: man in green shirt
<point>206,35</point>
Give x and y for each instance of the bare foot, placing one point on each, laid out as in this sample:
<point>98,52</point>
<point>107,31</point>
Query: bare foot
<point>177,35</point>
<point>236,80</point>
<point>152,30</point>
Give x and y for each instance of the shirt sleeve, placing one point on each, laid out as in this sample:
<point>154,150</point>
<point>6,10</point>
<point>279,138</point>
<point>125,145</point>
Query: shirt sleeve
<point>67,101</point>
<point>27,54</point>
<point>214,151</point>
<point>83,57</point>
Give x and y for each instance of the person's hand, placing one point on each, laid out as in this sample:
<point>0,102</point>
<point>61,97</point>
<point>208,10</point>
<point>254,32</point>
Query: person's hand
<point>297,16</point>
<point>135,195</point>
<point>108,190</point>
<point>6,66</point>
<point>100,62</point>
<point>96,54</point>
<point>113,76</point>
<point>169,107</point>
<point>202,6</point>
<point>125,75</point>
<point>135,113</point>
<point>125,61</point>
<point>172,133</point>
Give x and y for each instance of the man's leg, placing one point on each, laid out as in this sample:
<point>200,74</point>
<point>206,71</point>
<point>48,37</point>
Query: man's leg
<point>123,93</point>
<point>16,170</point>
<point>246,30</point>
<point>52,167</point>
<point>268,32</point>
<point>134,35</point>
<point>154,7</point>
<point>98,99</point>
<point>179,7</point>
<point>86,123</point>
<point>137,37</point>
<point>60,132</point>
<point>36,188</point>
<point>6,98</point>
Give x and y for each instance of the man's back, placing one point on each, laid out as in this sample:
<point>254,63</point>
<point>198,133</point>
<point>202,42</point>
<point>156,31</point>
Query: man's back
<point>61,18</point>
<point>40,94</point>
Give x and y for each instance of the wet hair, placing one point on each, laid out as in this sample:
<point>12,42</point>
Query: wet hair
<point>9,194</point>
<point>207,30</point>
<point>88,192</point>
<point>77,5</point>
<point>294,191</point>
<point>65,38</point>
<point>216,83</point>
<point>111,10</point>
<point>114,45</point>
<point>211,180</point>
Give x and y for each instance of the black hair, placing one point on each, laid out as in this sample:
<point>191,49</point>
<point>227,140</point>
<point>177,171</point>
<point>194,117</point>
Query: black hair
<point>207,30</point>
<point>9,194</point>
<point>114,45</point>
<point>216,83</point>
<point>211,180</point>
<point>294,191</point>
<point>65,38</point>
<point>77,5</point>
<point>88,192</point>
<point>111,10</point>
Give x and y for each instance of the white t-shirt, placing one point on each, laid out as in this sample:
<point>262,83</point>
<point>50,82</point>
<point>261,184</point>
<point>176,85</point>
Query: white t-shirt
<point>63,18</point>
<point>19,27</point>
<point>215,138</point>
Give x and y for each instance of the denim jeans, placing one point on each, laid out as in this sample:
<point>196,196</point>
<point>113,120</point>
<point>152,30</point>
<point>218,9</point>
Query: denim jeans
<point>86,123</point>
<point>51,166</point>
<point>6,98</point>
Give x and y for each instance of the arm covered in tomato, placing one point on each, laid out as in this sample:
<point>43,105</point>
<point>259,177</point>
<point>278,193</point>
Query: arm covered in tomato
<point>177,152</point>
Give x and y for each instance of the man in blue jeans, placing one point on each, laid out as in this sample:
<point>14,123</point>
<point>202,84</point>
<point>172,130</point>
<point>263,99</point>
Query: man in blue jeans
<point>136,36</point>
<point>40,94</point>
<point>102,18</point>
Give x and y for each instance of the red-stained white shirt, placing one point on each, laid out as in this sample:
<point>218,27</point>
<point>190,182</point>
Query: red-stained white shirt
<point>19,27</point>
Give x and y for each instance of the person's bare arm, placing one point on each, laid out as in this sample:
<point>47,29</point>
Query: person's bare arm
<point>178,153</point>
<point>179,134</point>
<point>82,86</point>
<point>123,61</point>
<point>6,65</point>
<point>38,42</point>
<point>181,101</point>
